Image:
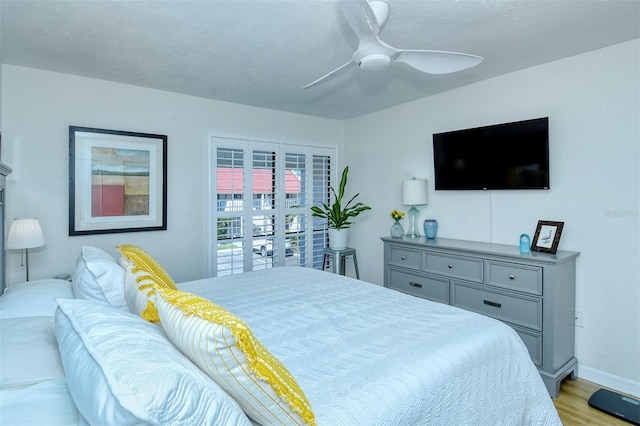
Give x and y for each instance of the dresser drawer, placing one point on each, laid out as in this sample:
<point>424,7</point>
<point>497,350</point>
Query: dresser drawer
<point>523,311</point>
<point>406,258</point>
<point>533,342</point>
<point>523,278</point>
<point>432,288</point>
<point>467,268</point>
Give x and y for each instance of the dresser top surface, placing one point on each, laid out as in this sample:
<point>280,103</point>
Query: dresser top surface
<point>4,169</point>
<point>483,248</point>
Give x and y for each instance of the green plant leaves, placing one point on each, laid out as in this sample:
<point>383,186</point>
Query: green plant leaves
<point>338,217</point>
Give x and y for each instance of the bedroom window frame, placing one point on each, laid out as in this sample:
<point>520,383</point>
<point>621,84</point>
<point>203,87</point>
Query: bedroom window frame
<point>314,235</point>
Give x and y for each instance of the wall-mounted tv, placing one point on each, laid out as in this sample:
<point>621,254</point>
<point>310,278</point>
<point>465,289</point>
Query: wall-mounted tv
<point>502,156</point>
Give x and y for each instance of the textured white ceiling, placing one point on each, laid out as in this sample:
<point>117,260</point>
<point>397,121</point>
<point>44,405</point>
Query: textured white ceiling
<point>262,52</point>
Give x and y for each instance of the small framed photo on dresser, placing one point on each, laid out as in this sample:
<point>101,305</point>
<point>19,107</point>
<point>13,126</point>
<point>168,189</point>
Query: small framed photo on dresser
<point>547,236</point>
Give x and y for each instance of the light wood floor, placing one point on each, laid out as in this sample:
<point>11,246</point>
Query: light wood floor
<point>574,409</point>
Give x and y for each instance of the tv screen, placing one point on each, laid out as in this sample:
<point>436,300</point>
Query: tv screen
<point>503,156</point>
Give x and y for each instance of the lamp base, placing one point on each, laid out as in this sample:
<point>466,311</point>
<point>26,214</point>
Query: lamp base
<point>26,252</point>
<point>413,229</point>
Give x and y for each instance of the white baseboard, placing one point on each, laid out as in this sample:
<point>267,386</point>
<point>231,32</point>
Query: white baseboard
<point>617,383</point>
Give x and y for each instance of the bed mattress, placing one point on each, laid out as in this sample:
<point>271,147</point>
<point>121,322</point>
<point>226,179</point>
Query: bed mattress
<point>367,355</point>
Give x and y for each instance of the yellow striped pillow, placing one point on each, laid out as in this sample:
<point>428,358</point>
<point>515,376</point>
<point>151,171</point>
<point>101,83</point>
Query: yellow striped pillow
<point>142,261</point>
<point>224,347</point>
<point>143,274</point>
<point>138,288</point>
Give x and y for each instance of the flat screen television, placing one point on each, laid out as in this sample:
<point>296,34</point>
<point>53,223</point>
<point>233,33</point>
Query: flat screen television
<point>502,156</point>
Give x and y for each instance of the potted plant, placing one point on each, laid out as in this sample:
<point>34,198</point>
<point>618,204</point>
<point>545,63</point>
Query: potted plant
<point>338,216</point>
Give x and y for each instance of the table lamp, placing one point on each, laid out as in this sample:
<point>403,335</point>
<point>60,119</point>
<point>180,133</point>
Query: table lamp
<point>414,193</point>
<point>24,234</point>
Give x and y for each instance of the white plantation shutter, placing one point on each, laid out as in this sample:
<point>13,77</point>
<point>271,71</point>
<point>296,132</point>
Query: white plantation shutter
<point>260,197</point>
<point>229,208</point>
<point>296,208</point>
<point>322,177</point>
<point>264,218</point>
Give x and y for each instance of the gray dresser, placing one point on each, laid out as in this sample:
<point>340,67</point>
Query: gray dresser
<point>533,293</point>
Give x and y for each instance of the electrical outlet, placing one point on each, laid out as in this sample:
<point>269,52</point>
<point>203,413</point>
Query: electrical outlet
<point>579,318</point>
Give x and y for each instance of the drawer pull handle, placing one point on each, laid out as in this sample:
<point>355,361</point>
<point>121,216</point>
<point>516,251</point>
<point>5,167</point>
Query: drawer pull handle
<point>512,277</point>
<point>450,266</point>
<point>404,258</point>
<point>494,304</point>
<point>412,284</point>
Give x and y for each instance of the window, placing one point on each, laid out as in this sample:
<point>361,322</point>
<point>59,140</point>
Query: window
<point>260,199</point>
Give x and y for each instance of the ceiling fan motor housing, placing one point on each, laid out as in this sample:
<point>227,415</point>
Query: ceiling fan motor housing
<point>375,62</point>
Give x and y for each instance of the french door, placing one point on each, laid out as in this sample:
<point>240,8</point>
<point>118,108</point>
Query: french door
<point>260,194</point>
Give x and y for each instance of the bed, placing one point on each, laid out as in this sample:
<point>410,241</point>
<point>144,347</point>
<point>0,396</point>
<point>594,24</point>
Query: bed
<point>361,354</point>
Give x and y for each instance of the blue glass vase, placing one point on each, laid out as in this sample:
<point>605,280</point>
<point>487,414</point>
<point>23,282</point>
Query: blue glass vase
<point>430,228</point>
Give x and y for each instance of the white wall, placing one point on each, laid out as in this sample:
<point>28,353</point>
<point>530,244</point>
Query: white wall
<point>38,108</point>
<point>592,101</point>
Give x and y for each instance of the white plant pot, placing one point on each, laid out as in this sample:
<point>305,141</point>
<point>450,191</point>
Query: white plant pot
<point>338,238</point>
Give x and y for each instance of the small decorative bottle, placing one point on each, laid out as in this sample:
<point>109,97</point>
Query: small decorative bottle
<point>430,228</point>
<point>397,231</point>
<point>525,243</point>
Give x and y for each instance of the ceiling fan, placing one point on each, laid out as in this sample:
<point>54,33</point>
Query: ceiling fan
<point>366,18</point>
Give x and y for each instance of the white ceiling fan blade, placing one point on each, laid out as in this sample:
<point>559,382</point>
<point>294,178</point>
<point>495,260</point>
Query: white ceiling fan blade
<point>437,61</point>
<point>341,70</point>
<point>381,11</point>
<point>361,18</point>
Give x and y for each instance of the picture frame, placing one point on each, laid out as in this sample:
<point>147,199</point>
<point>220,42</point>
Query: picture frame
<point>547,236</point>
<point>117,181</point>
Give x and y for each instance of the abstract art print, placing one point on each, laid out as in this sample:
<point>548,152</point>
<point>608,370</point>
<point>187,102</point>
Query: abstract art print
<point>117,181</point>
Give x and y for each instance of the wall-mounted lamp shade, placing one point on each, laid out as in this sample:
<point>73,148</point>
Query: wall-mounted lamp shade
<point>414,192</point>
<point>25,233</point>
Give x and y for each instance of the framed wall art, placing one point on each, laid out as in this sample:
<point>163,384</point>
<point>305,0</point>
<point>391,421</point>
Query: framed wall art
<point>117,181</point>
<point>547,236</point>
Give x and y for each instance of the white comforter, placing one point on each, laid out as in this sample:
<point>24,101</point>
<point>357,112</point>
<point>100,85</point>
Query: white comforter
<point>366,355</point>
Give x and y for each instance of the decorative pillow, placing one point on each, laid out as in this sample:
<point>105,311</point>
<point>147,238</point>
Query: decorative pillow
<point>143,274</point>
<point>224,347</point>
<point>138,288</point>
<point>98,277</point>
<point>33,298</point>
<point>142,261</point>
<point>122,370</point>
<point>29,352</point>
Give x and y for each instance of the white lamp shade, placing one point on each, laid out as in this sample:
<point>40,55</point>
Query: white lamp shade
<point>414,192</point>
<point>25,233</point>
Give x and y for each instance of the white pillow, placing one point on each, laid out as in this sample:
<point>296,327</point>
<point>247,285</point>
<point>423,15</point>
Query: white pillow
<point>98,276</point>
<point>46,403</point>
<point>122,370</point>
<point>33,298</point>
<point>29,352</point>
